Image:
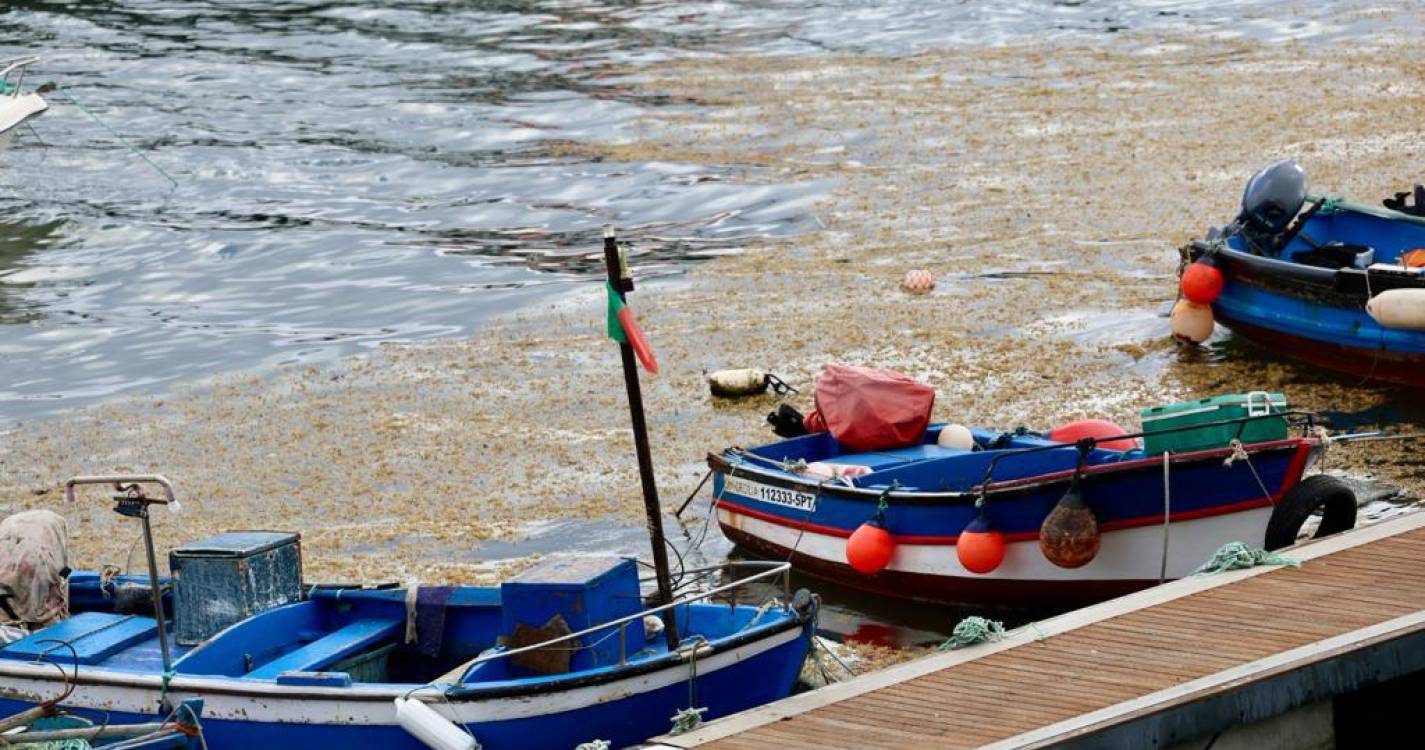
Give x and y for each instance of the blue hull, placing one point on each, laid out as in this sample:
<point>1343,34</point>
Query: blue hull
<point>743,684</point>
<point>1317,313</point>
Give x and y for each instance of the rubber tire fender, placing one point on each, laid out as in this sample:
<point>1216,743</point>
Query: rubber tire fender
<point>1327,494</point>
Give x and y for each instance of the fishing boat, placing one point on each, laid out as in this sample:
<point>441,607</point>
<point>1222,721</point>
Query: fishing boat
<point>16,106</point>
<point>968,520</point>
<point>1336,284</point>
<point>563,654</point>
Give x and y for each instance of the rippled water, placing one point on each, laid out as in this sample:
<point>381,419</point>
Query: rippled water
<point>354,172</point>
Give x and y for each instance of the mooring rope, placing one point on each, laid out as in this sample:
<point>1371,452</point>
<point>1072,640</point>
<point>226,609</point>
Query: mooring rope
<point>133,149</point>
<point>1167,515</point>
<point>1239,556</point>
<point>688,719</point>
<point>1240,453</point>
<point>972,630</point>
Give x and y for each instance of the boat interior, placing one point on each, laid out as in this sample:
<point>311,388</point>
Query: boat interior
<point>935,468</point>
<point>340,636</point>
<point>1350,235</point>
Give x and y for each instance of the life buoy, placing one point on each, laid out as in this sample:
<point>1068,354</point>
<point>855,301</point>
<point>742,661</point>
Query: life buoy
<point>1329,495</point>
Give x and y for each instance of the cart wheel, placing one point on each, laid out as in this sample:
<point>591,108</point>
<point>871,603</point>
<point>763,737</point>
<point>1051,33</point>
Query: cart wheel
<point>1329,495</point>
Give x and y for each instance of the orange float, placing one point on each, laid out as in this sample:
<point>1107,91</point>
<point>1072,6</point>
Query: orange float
<point>869,549</point>
<point>980,548</point>
<point>1201,283</point>
<point>1073,432</point>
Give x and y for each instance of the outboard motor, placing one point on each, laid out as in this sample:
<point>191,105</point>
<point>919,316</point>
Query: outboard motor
<point>1274,197</point>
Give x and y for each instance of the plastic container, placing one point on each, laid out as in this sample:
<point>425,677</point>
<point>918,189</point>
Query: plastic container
<point>1214,409</point>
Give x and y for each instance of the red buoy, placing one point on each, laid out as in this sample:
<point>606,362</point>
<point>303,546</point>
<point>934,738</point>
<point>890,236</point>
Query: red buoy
<point>980,548</point>
<point>1202,283</point>
<point>1073,432</point>
<point>869,549</point>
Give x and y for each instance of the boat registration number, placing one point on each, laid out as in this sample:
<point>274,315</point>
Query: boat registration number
<point>768,494</point>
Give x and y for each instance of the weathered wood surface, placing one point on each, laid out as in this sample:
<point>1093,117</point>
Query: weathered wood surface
<point>1125,656</point>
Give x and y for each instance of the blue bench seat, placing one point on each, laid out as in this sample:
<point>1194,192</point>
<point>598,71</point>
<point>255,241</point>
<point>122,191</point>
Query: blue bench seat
<point>330,648</point>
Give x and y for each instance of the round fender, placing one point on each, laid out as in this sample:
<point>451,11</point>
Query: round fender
<point>1329,495</point>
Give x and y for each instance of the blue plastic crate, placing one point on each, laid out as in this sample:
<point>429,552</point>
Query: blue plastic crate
<point>585,591</point>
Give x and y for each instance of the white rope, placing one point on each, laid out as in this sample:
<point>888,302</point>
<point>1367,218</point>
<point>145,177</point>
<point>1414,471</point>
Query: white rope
<point>1239,452</point>
<point>1167,514</point>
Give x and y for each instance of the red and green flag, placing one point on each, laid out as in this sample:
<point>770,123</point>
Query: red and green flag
<point>623,328</point>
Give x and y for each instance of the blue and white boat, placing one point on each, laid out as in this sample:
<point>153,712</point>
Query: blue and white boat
<point>1305,275</point>
<point>1158,516</point>
<point>563,654</point>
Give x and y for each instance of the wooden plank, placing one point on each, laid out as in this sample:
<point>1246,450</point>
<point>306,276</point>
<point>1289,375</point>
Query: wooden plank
<point>1186,633</point>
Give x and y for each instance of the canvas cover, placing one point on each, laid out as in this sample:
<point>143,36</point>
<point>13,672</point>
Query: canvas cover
<point>867,409</point>
<point>34,566</point>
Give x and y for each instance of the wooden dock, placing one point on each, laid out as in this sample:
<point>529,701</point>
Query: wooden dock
<point>1184,661</point>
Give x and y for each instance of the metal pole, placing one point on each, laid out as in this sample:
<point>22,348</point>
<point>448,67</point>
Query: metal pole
<point>154,587</point>
<point>622,284</point>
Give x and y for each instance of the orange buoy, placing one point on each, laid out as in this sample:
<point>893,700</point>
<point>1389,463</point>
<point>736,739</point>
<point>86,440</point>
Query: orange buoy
<point>1413,259</point>
<point>1191,321</point>
<point>869,549</point>
<point>1201,283</point>
<point>1073,432</point>
<point>1069,536</point>
<point>918,281</point>
<point>979,547</point>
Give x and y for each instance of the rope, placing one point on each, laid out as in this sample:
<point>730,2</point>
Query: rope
<point>688,719</point>
<point>1380,337</point>
<point>70,98</point>
<point>163,681</point>
<point>972,630</point>
<point>1238,556</point>
<point>1167,517</point>
<point>1239,452</point>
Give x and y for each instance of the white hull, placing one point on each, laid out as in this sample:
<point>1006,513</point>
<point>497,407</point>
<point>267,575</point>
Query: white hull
<point>1132,554</point>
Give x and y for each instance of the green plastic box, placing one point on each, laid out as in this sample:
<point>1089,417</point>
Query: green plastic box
<point>1215,409</point>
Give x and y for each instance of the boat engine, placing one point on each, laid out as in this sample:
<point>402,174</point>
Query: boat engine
<point>1274,197</point>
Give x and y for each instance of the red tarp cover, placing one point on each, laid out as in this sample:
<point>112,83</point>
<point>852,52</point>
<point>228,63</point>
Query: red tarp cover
<point>867,409</point>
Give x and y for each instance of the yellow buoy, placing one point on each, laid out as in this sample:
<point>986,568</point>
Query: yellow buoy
<point>1191,321</point>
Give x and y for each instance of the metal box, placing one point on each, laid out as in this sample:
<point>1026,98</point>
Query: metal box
<point>229,577</point>
<point>585,591</point>
<point>1215,409</point>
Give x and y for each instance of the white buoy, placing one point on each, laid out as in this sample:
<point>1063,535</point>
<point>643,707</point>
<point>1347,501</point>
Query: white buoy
<point>1191,321</point>
<point>1399,308</point>
<point>432,729</point>
<point>956,436</point>
<point>734,383</point>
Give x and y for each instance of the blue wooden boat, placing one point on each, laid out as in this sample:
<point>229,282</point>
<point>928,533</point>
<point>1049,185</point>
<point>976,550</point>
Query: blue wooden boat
<point>280,664</point>
<point>767,501</point>
<point>1298,282</point>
